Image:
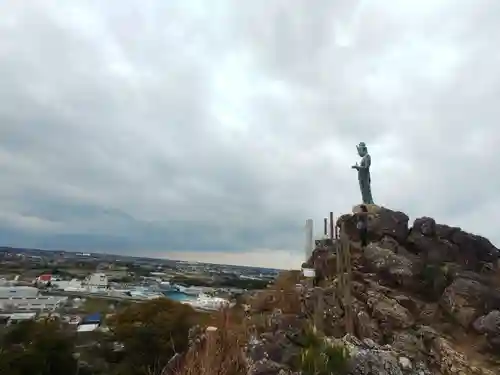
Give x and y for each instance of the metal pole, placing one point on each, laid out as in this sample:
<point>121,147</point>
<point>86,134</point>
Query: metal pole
<point>325,229</point>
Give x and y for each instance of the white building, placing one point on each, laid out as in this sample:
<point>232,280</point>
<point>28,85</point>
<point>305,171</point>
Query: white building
<point>96,282</point>
<point>28,298</point>
<point>71,285</point>
<point>18,291</point>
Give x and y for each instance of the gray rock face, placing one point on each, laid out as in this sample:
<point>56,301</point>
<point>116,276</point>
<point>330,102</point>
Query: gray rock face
<point>445,243</point>
<point>371,361</point>
<point>394,268</point>
<point>267,367</point>
<point>467,299</point>
<point>367,358</point>
<point>390,314</point>
<point>490,326</point>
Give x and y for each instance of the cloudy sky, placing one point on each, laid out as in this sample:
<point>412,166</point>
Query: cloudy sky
<point>211,130</point>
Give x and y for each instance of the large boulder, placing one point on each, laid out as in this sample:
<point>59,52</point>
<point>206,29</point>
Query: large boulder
<point>489,325</point>
<point>389,313</point>
<point>393,268</point>
<point>381,222</point>
<point>465,300</point>
<point>442,243</point>
<point>432,250</point>
<point>475,250</point>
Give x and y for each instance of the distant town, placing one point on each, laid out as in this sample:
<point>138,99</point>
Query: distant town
<point>82,289</point>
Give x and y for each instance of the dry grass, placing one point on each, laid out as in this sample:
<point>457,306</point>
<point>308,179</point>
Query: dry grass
<point>282,295</point>
<point>222,351</point>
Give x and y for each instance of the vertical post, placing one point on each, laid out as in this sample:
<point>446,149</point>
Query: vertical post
<point>339,261</point>
<point>343,256</point>
<point>309,239</point>
<point>347,289</point>
<point>331,226</point>
<point>319,310</point>
<point>325,228</point>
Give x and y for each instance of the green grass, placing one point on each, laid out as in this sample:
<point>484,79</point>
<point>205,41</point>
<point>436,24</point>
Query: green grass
<point>322,358</point>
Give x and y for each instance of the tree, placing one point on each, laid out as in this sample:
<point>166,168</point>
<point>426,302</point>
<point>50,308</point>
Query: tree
<point>40,348</point>
<point>150,334</point>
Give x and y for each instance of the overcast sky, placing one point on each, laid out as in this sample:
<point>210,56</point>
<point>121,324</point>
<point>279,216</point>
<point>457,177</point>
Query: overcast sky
<point>211,130</point>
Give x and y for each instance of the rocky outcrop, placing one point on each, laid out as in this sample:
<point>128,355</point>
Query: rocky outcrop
<point>413,288</point>
<point>430,274</point>
<point>434,243</point>
<point>441,243</point>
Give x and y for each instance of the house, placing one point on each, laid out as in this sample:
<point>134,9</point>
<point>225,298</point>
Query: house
<point>44,279</point>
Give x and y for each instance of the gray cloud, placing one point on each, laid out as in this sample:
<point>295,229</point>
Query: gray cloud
<point>201,129</point>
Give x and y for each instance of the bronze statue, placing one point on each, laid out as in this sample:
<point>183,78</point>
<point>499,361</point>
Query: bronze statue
<point>364,173</point>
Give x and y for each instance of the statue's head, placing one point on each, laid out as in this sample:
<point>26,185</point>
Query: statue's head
<point>362,149</point>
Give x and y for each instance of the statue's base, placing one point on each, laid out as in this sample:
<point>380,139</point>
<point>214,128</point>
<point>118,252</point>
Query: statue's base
<point>371,208</point>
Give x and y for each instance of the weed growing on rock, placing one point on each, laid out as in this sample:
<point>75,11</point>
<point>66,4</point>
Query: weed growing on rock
<point>320,357</point>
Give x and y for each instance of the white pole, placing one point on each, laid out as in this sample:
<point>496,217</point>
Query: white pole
<point>309,239</point>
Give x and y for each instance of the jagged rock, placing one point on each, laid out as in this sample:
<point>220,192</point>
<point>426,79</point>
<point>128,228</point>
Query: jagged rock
<point>432,250</point>
<point>390,314</point>
<point>429,313</point>
<point>267,367</point>
<point>451,362</point>
<point>274,346</point>
<point>367,358</point>
<point>408,343</point>
<point>474,249</point>
<point>425,226</point>
<point>441,243</point>
<point>390,243</point>
<point>367,362</point>
<point>489,323</point>
<point>490,326</point>
<point>365,327</point>
<point>323,261</point>
<point>409,303</point>
<point>445,231</point>
<point>465,300</point>
<point>392,267</point>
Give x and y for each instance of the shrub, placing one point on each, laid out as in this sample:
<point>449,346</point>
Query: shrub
<point>151,333</point>
<point>37,348</point>
<point>320,357</point>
